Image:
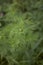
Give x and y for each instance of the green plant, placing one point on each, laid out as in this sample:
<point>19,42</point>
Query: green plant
<point>21,38</point>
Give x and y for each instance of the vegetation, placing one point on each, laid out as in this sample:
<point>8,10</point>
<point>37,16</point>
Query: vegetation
<point>21,32</point>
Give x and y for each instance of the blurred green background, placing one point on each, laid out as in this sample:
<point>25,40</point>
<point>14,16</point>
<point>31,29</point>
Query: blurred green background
<point>21,32</point>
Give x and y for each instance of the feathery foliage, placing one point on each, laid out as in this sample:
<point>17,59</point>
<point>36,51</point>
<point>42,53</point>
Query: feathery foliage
<point>21,32</point>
